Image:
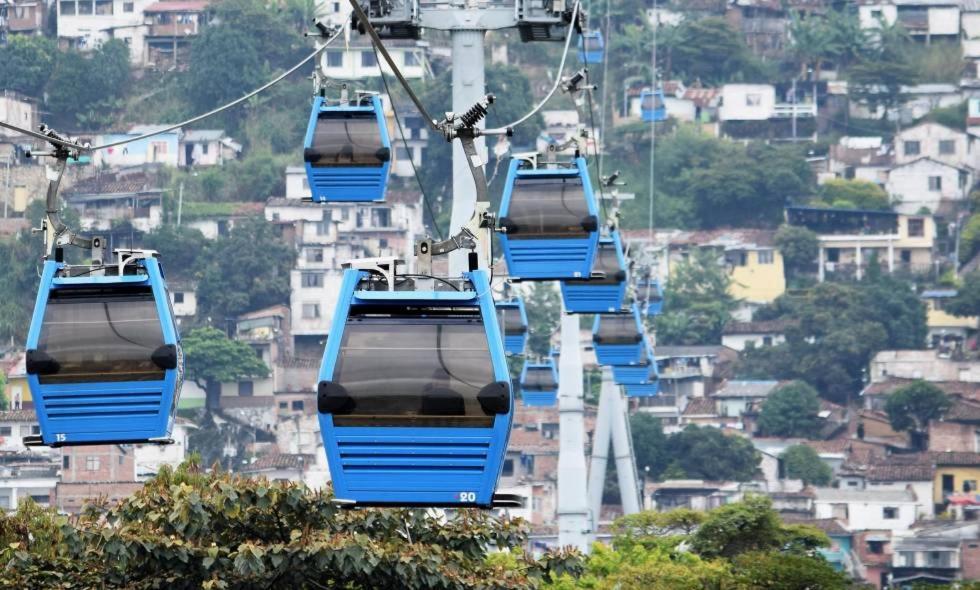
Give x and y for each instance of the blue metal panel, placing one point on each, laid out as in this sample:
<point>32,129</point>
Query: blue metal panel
<point>549,259</point>
<point>110,412</point>
<point>650,385</point>
<point>539,398</point>
<point>594,52</point>
<point>652,113</point>
<point>584,297</point>
<point>650,297</point>
<point>346,184</point>
<point>620,354</point>
<point>514,343</point>
<point>416,466</point>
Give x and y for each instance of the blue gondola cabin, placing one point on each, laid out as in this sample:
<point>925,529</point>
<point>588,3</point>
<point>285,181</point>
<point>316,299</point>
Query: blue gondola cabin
<point>591,47</point>
<point>605,291</point>
<point>512,318</point>
<point>539,384</point>
<point>652,105</point>
<point>618,338</point>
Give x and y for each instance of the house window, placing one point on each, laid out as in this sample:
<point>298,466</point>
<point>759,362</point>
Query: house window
<point>204,148</point>
<point>245,388</point>
<point>876,14</point>
<point>935,183</point>
<point>67,8</point>
<point>298,405</point>
<point>85,7</point>
<point>753,100</point>
<point>322,227</point>
<point>66,462</point>
<point>401,153</point>
<point>833,255</point>
<point>6,430</point>
<point>508,468</point>
<point>314,254</point>
<point>947,147</point>
<point>917,228</point>
<point>336,6</point>
<point>335,59</point>
<point>765,256</point>
<point>311,311</point>
<point>970,485</point>
<point>92,463</point>
<point>876,547</point>
<point>368,59</point>
<point>312,279</point>
<point>976,441</point>
<point>178,297</point>
<point>381,217</point>
<point>283,406</point>
<point>411,58</point>
<point>767,340</point>
<point>889,513</point>
<point>127,7</point>
<point>912,148</point>
<point>103,7</point>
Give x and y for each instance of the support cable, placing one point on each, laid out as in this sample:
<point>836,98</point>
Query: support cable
<point>191,121</point>
<point>415,170</point>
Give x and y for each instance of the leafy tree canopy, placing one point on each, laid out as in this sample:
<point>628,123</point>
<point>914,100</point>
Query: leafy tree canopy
<point>696,302</point>
<point>190,529</point>
<point>26,63</point>
<point>791,410</point>
<point>543,305</point>
<point>853,194</point>
<point>708,453</point>
<point>709,50</point>
<point>802,462</point>
<point>967,300</point>
<point>798,245</point>
<point>211,358</point>
<point>649,443</point>
<point>911,407</point>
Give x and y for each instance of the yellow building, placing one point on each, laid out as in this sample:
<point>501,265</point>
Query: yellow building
<point>16,391</point>
<point>946,331</point>
<point>956,472</point>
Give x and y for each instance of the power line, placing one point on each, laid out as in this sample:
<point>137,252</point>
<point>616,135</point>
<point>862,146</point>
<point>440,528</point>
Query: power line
<point>401,131</point>
<point>191,121</point>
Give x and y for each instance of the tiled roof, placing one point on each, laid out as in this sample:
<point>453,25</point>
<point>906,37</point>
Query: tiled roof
<point>762,327</point>
<point>963,411</point>
<point>177,6</point>
<point>838,445</point>
<point>831,526</point>
<point>700,406</point>
<point>963,389</point>
<point>957,458</point>
<point>279,461</point>
<point>897,472</point>
<point>18,416</point>
<point>739,388</point>
<point>686,351</point>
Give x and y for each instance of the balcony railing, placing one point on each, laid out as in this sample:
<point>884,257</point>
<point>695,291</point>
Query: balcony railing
<point>786,110</point>
<point>173,29</point>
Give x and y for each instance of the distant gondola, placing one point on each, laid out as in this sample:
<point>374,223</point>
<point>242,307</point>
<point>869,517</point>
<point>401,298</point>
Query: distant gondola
<point>591,47</point>
<point>618,338</point>
<point>539,383</point>
<point>347,151</point>
<point>652,106</point>
<point>512,319</point>
<point>605,291</point>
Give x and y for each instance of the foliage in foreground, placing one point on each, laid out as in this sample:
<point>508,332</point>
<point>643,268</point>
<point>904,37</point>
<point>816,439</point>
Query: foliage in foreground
<point>740,546</point>
<point>190,529</point>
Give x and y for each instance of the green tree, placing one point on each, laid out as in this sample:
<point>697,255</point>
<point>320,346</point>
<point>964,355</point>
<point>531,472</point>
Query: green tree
<point>26,63</point>
<point>778,571</point>
<point>245,271</point>
<point>853,194</point>
<point>791,410</point>
<point>802,462</point>
<point>697,303</point>
<point>969,239</point>
<point>911,407</point>
<point>181,248</point>
<point>85,89</point>
<point>543,305</point>
<point>649,444</point>
<point>967,300</point>
<point>225,64</point>
<point>211,358</point>
<point>191,529</point>
<point>879,76</point>
<point>799,247</point>
<point>708,453</point>
<point>748,526</point>
<point>709,50</point>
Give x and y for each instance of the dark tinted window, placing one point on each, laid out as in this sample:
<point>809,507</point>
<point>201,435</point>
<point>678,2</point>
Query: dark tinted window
<point>414,371</point>
<point>619,328</point>
<point>547,208</point>
<point>539,379</point>
<point>605,268</point>
<point>649,291</point>
<point>592,43</point>
<point>101,335</point>
<point>510,320</point>
<point>347,139</point>
<point>651,102</point>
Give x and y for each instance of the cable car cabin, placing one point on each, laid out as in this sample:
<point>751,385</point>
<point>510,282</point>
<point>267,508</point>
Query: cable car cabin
<point>605,292</point>
<point>618,338</point>
<point>591,47</point>
<point>652,105</point>
<point>649,296</point>
<point>549,222</point>
<point>104,363</point>
<point>650,386</point>
<point>414,395</point>
<point>512,319</point>
<point>347,151</point>
<point>539,384</point>
<point>636,373</point>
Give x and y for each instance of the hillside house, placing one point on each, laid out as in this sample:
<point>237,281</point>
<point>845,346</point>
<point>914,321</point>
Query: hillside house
<point>86,24</point>
<point>171,26</point>
<point>861,158</point>
<point>926,19</point>
<point>925,186</point>
<point>894,511</point>
<point>947,332</point>
<point>206,147</point>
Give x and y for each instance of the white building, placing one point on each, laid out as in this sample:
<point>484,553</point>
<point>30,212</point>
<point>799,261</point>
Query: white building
<point>36,481</point>
<point>938,142</point>
<point>927,184</point>
<point>150,458</point>
<point>560,126</point>
<point>861,158</point>
<point>747,102</point>
<point>409,142</point>
<point>358,60</point>
<point>15,425</point>
<point>207,147</point>
<point>326,236</point>
<point>924,18</point>
<point>183,299</point>
<point>159,149</point>
<point>16,110</point>
<point>86,24</point>
<point>895,511</point>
